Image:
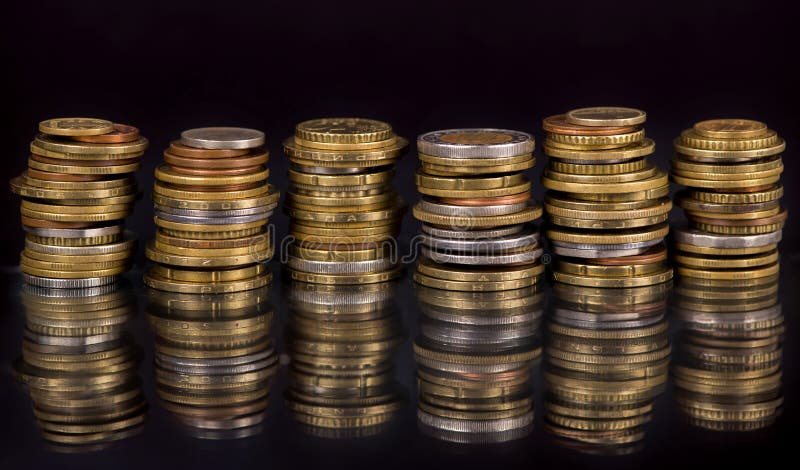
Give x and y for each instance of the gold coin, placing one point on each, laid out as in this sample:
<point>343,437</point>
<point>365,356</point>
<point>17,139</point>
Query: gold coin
<point>704,250</point>
<point>767,195</point>
<point>257,247</point>
<point>482,274</point>
<point>648,172</point>
<point>598,168</point>
<point>658,207</point>
<point>479,286</point>
<point>658,180</point>
<point>613,334</point>
<point>91,217</point>
<point>680,165</point>
<point>529,214</point>
<point>477,193</point>
<point>703,262</point>
<point>207,228</point>
<point>343,130</point>
<point>76,126</point>
<point>177,193</point>
<point>730,128</point>
<point>84,169</point>
<point>79,259</point>
<point>368,278</point>
<point>86,241</point>
<point>269,198</point>
<point>474,162</point>
<point>577,206</point>
<point>101,184</point>
<point>611,140</point>
<point>599,270</point>
<point>299,200</point>
<point>344,147</point>
<point>744,274</point>
<point>629,152</point>
<point>636,196</point>
<point>691,138</point>
<point>87,151</point>
<point>166,174</point>
<point>608,224</point>
<point>662,275</point>
<point>379,252</point>
<point>738,155</point>
<point>204,287</point>
<point>756,214</point>
<point>611,238</point>
<point>64,274</point>
<point>354,158</point>
<point>19,187</point>
<point>469,184</point>
<point>72,266</point>
<point>606,116</point>
<point>210,261</point>
<point>361,179</point>
<point>351,219</point>
<point>443,170</point>
<point>714,181</point>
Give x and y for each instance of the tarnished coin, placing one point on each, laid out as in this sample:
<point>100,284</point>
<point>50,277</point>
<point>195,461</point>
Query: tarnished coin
<point>223,138</point>
<point>475,143</point>
<point>76,126</point>
<point>730,128</point>
<point>606,116</point>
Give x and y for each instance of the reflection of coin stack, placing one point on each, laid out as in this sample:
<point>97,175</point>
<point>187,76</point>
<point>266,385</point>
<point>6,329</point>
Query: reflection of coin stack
<point>606,360</point>
<point>607,204</point>
<point>76,191</point>
<point>475,207</point>
<point>728,376</point>
<point>345,217</point>
<point>732,168</point>
<point>214,360</point>
<point>474,359</point>
<point>341,342</point>
<point>81,365</point>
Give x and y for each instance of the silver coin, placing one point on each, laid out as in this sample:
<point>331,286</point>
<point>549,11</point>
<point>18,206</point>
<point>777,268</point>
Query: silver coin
<point>70,340</point>
<point>464,334</point>
<point>74,232</point>
<point>341,298</point>
<point>710,319</point>
<point>470,211</point>
<point>176,361</point>
<point>231,138</point>
<point>472,234</point>
<point>594,246</point>
<point>215,213</point>
<point>220,370</point>
<point>340,267</point>
<point>456,368</point>
<point>69,283</point>
<point>224,434</point>
<point>475,143</point>
<point>489,317</point>
<point>475,438</point>
<point>605,325</point>
<point>604,316</point>
<point>590,254</point>
<point>183,219</point>
<point>528,256</point>
<point>490,245</point>
<point>127,244</point>
<point>475,426</point>
<point>47,292</point>
<point>705,239</point>
<point>324,170</point>
<point>231,424</point>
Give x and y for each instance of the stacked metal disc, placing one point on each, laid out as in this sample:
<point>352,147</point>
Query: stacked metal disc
<point>345,217</point>
<point>728,372</point>
<point>212,206</point>
<point>606,360</point>
<point>81,365</point>
<point>474,357</point>
<point>476,210</point>
<point>341,342</point>
<point>76,192</point>
<point>732,168</point>
<point>214,360</point>
<point>607,204</point>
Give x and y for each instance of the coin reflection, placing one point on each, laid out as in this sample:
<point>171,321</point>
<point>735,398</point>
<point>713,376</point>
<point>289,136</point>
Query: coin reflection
<point>80,366</point>
<point>214,360</point>
<point>728,372</point>
<point>606,360</point>
<point>474,356</point>
<point>341,339</point>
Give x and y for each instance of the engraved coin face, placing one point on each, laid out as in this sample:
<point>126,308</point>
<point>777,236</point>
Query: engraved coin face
<point>343,130</point>
<point>76,126</point>
<point>475,143</point>
<point>222,138</point>
<point>606,116</point>
<point>730,128</point>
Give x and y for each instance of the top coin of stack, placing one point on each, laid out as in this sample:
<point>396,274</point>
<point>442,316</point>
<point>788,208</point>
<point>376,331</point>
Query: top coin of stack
<point>345,217</point>
<point>732,168</point>
<point>607,204</point>
<point>75,193</point>
<point>476,209</point>
<point>212,204</point>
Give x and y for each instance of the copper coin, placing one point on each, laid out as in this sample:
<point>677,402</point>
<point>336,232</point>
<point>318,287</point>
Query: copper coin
<point>30,222</point>
<point>58,161</point>
<point>773,219</point>
<point>233,162</point>
<point>488,201</point>
<point>66,177</point>
<point>122,133</point>
<point>655,254</point>
<point>214,189</point>
<point>179,149</point>
<point>558,125</point>
<point>214,171</point>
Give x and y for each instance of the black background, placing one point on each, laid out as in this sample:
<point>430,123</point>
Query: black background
<point>166,66</point>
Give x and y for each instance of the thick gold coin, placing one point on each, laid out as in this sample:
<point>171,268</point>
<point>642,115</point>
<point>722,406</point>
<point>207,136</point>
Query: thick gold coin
<point>49,272</point>
<point>750,197</point>
<point>648,172</point>
<point>606,271</point>
<point>204,233</point>
<point>680,165</point>
<point>730,155</point>
<point>598,168</point>
<point>223,275</point>
<point>576,206</point>
<point>78,259</point>
<point>636,196</point>
<point>361,179</point>
<point>480,286</point>
<point>69,265</point>
<point>343,130</point>
<point>611,141</point>
<point>166,174</point>
<point>83,185</point>
<point>611,238</point>
<point>478,274</point>
<point>710,251</point>
<point>210,195</point>
<point>469,184</point>
<point>727,262</point>
<point>703,180</point>
<point>755,214</point>
<point>529,214</point>
<point>355,158</point>
<point>127,167</point>
<point>211,261</point>
<point>606,116</point>
<point>724,275</point>
<point>345,146</point>
<point>691,138</point>
<point>76,126</point>
<point>524,187</point>
<point>730,128</point>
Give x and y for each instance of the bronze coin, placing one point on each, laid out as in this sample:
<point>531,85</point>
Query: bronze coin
<point>177,148</point>
<point>773,219</point>
<point>215,171</point>
<point>65,177</point>
<point>31,222</point>
<point>558,125</point>
<point>251,160</point>
<point>488,201</point>
<point>655,254</point>
<point>122,133</point>
<point>58,161</point>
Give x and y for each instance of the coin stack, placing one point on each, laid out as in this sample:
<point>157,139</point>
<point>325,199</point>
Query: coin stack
<point>607,205</point>
<point>341,342</point>
<point>80,365</point>
<point>345,217</point>
<point>474,357</point>
<point>212,205</point>
<point>728,373</point>
<point>732,168</point>
<point>606,360</point>
<point>214,360</point>
<point>476,210</point>
<point>77,190</point>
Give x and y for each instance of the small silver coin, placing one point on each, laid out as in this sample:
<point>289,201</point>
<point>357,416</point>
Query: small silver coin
<point>222,138</point>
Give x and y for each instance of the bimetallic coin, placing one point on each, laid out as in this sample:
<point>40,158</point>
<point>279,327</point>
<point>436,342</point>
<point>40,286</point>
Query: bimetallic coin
<point>225,138</point>
<point>475,143</point>
<point>606,116</point>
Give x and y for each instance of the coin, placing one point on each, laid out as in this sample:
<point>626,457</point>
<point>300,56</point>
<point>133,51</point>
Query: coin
<point>75,126</point>
<point>730,128</point>
<point>475,143</point>
<point>559,124</point>
<point>343,130</point>
<point>606,116</point>
<point>121,133</point>
<point>223,138</point>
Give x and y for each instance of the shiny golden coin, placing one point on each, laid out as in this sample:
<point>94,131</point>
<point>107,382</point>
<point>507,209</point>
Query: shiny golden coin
<point>573,186</point>
<point>658,207</point>
<point>629,152</point>
<point>271,197</point>
<point>577,206</point>
<point>479,286</point>
<point>611,334</point>
<point>756,214</point>
<point>87,151</point>
<point>344,220</point>
<point>680,165</point>
<point>691,138</point>
<point>636,196</point>
<point>714,181</point>
<point>606,116</point>
<point>178,193</point>
<point>612,141</point>
<point>208,261</point>
<point>343,130</point>
<point>710,251</point>
<point>664,274</point>
<point>297,200</point>
<point>608,224</point>
<point>19,187</point>
<point>83,241</point>
<point>344,146</point>
<point>481,274</point>
<point>76,126</point>
<point>611,238</point>
<point>445,170</point>
<point>67,265</point>
<point>91,217</point>
<point>648,172</point>
<point>524,187</point>
<point>531,213</point>
<point>126,167</point>
<point>379,252</point>
<point>469,184</point>
<point>361,179</point>
<point>205,287</point>
<point>208,228</point>
<point>730,128</point>
<point>726,262</point>
<point>598,168</point>
<point>101,184</point>
<point>752,197</point>
<point>257,247</point>
<point>166,174</point>
<point>474,162</point>
<point>599,270</point>
<point>744,274</point>
<point>361,158</point>
<point>729,155</point>
<point>49,272</point>
<point>79,259</point>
